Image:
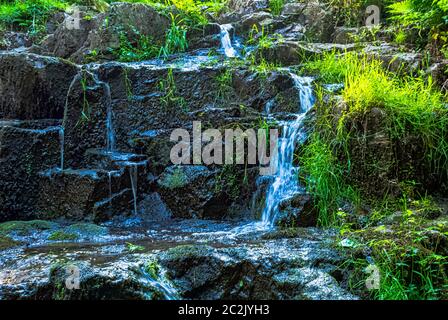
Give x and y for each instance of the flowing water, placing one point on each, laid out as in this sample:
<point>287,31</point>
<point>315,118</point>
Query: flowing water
<point>226,42</point>
<point>285,182</point>
<point>75,79</point>
<point>61,142</point>
<point>133,175</point>
<point>161,283</point>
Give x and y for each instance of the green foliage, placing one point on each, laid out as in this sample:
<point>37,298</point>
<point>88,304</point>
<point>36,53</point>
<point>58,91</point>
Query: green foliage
<point>60,235</point>
<point>326,178</point>
<point>30,15</point>
<point>136,47</point>
<point>177,179</point>
<point>7,242</point>
<point>86,110</point>
<point>276,6</point>
<point>224,80</point>
<point>152,268</point>
<point>176,38</point>
<point>170,100</point>
<point>428,17</point>
<point>407,253</point>
<point>412,107</point>
<point>133,248</point>
<point>24,227</point>
<point>231,181</point>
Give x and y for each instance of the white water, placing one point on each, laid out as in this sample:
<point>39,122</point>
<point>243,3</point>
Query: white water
<point>162,284</point>
<point>286,182</point>
<point>226,43</point>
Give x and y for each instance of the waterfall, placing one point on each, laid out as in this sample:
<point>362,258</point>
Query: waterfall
<point>226,43</point>
<point>110,134</point>
<point>161,282</point>
<point>285,182</point>
<point>76,78</point>
<point>133,176</point>
<point>62,142</point>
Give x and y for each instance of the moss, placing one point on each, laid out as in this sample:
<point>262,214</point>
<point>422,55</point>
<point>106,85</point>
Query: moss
<point>174,180</point>
<point>25,227</point>
<point>62,236</point>
<point>152,267</point>
<point>302,233</point>
<point>6,242</point>
<point>87,229</point>
<point>186,251</point>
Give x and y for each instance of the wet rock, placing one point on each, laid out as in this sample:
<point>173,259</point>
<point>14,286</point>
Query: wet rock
<point>12,40</point>
<point>26,148</point>
<point>345,35</point>
<point>68,38</point>
<point>299,269</point>
<point>314,284</point>
<point>101,34</point>
<point>259,19</point>
<point>247,6</point>
<point>315,16</point>
<point>293,52</point>
<point>32,86</point>
<point>394,59</point>
<point>437,72</point>
<point>189,191</point>
<point>297,211</point>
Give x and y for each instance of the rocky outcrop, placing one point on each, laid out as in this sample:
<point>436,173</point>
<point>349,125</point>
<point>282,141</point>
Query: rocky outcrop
<point>33,87</point>
<point>299,269</point>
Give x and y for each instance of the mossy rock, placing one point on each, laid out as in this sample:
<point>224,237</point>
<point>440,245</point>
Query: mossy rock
<point>6,242</point>
<point>86,229</point>
<point>288,233</point>
<point>25,227</point>
<point>60,235</point>
<point>186,251</point>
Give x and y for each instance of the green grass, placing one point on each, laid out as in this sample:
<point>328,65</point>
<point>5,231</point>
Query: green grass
<point>410,259</point>
<point>29,15</point>
<point>276,6</point>
<point>412,105</point>
<point>176,37</point>
<point>170,100</point>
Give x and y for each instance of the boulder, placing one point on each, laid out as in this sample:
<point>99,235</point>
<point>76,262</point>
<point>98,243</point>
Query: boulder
<point>33,86</point>
<point>297,211</point>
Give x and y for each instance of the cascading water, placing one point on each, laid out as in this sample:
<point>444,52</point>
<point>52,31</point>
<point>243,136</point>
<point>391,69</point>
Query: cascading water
<point>285,182</point>
<point>161,283</point>
<point>110,134</point>
<point>75,79</point>
<point>226,43</point>
<point>62,142</point>
<point>133,177</point>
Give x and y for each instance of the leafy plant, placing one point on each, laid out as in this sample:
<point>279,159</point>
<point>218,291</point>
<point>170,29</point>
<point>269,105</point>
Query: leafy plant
<point>276,6</point>
<point>170,99</point>
<point>176,37</point>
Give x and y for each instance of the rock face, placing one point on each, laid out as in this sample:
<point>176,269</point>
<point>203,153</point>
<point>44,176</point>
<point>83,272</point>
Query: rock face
<point>102,33</point>
<point>26,148</point>
<point>33,87</point>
